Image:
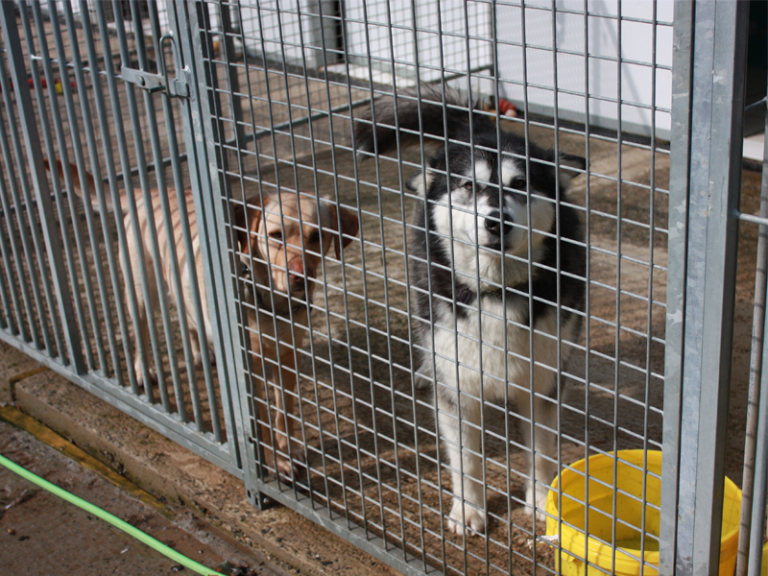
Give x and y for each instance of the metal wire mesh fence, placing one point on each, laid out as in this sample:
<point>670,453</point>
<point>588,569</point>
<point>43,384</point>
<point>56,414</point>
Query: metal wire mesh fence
<point>96,302</point>
<point>428,245</point>
<point>367,450</point>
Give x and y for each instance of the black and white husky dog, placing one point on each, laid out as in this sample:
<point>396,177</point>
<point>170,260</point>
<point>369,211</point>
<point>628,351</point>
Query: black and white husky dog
<point>497,268</point>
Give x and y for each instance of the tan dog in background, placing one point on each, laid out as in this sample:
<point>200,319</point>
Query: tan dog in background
<point>285,237</point>
<point>281,245</point>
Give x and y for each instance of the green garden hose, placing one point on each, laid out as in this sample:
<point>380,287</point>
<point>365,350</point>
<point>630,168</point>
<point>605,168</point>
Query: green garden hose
<point>111,518</point>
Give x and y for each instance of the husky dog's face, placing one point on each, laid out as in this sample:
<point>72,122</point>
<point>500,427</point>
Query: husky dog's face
<point>487,203</point>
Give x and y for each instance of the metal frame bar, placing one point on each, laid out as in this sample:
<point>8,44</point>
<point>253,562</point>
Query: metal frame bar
<point>702,290</point>
<point>206,190</point>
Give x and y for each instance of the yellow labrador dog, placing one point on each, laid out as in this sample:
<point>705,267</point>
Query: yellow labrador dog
<point>281,246</point>
<point>282,241</point>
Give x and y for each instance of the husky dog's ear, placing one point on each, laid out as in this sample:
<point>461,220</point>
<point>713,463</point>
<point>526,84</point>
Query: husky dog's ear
<point>569,164</point>
<point>420,181</point>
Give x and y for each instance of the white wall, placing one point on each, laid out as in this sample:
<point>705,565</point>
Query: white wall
<point>371,36</point>
<point>602,32</point>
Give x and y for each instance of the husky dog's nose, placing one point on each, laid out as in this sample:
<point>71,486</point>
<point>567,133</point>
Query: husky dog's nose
<point>494,225</point>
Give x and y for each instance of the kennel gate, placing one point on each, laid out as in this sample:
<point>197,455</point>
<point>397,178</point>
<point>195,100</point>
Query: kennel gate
<point>267,93</point>
<point>71,78</point>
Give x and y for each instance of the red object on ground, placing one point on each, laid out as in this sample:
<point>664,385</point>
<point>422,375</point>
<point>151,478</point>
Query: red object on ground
<point>506,108</point>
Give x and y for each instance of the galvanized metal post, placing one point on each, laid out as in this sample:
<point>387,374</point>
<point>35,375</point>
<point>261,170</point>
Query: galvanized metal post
<point>206,192</point>
<point>53,243</point>
<point>703,201</point>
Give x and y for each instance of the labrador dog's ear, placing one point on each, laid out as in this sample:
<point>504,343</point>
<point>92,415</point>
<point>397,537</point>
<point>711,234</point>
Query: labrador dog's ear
<point>350,226</point>
<point>243,216</point>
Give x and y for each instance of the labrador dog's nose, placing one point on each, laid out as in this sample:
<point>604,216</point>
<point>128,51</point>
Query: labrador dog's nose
<point>493,223</point>
<point>297,275</point>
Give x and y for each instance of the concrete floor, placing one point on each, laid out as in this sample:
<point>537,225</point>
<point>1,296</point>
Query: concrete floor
<point>212,513</point>
<point>42,534</point>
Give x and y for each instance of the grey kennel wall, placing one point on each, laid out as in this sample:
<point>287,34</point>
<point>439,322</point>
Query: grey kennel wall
<point>231,100</point>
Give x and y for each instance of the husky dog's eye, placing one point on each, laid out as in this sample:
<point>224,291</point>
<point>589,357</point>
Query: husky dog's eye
<point>467,185</point>
<point>276,235</point>
<point>518,184</point>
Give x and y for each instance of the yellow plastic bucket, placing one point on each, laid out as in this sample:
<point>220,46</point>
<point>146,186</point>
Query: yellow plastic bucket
<point>629,510</point>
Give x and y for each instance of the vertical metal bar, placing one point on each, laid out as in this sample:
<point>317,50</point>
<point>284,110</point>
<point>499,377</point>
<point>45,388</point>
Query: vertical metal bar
<point>679,174</point>
<point>224,327</point>
<point>649,310</point>
<point>356,175</point>
<point>227,30</point>
<point>51,239</point>
<point>206,193</point>
<point>758,504</point>
<point>497,92</point>
<point>719,49</point>
<point>747,539</point>
<point>587,299</point>
<point>46,131</point>
<point>617,321</point>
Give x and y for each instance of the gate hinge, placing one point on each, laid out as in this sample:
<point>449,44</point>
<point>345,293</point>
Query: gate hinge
<point>177,87</point>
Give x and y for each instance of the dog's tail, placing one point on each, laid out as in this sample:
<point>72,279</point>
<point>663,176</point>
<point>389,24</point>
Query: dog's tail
<point>434,111</point>
<point>91,194</point>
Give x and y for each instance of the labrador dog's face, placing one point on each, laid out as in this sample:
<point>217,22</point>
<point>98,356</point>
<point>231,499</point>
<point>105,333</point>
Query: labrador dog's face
<point>289,237</point>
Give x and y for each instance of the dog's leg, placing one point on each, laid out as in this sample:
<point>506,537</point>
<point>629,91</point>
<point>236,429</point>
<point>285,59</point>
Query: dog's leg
<point>286,442</point>
<point>260,397</point>
<point>280,428</point>
<point>141,351</point>
<point>462,444</point>
<point>424,379</point>
<point>544,444</point>
<point>194,342</point>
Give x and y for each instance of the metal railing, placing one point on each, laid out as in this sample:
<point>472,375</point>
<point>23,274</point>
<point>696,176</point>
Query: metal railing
<point>285,323</point>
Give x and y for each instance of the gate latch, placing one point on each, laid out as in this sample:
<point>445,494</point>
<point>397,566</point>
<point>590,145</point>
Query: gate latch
<point>153,82</point>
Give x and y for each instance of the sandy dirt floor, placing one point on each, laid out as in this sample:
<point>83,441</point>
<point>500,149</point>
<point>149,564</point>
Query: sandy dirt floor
<point>373,455</point>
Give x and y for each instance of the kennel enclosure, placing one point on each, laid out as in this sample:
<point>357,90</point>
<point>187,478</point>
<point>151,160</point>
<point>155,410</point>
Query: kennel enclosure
<point>228,101</point>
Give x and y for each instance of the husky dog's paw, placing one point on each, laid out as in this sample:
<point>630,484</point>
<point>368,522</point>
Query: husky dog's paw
<point>470,521</point>
<point>424,379</point>
<point>537,500</point>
